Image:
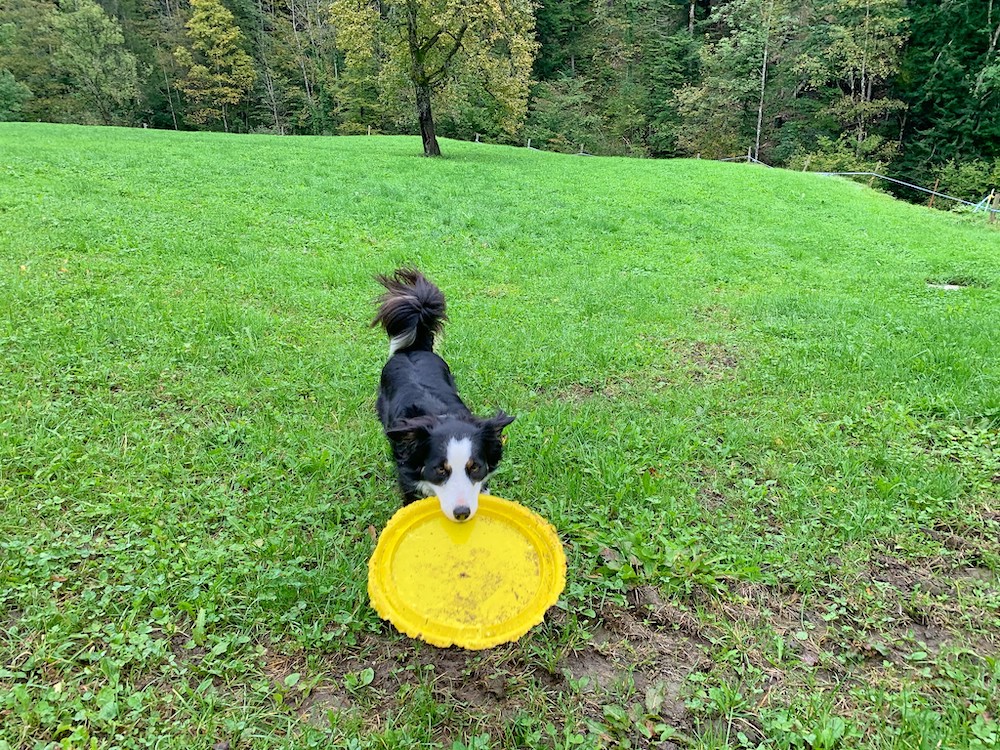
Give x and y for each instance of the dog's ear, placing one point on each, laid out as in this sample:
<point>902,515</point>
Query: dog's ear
<point>496,423</point>
<point>409,430</point>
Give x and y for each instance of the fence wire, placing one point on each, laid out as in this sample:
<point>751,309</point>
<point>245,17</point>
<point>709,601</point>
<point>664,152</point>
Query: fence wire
<point>983,205</point>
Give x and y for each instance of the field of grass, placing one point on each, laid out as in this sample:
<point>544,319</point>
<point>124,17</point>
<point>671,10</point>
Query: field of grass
<point>771,448</point>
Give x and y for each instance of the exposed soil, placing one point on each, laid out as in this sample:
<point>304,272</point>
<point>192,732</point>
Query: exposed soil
<point>639,658</point>
<point>647,646</point>
<point>700,361</point>
<point>649,649</point>
<point>711,500</point>
<point>705,361</point>
<point>904,575</point>
<point>574,393</point>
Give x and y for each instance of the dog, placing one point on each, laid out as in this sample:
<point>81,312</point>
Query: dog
<point>440,447</point>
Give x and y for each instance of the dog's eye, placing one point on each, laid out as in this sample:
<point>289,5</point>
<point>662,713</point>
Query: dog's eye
<point>475,470</point>
<point>441,471</point>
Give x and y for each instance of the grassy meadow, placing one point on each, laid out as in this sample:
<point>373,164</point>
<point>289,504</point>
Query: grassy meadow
<point>770,446</point>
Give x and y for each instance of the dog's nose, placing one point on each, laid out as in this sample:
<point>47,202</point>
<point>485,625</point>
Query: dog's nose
<point>462,512</point>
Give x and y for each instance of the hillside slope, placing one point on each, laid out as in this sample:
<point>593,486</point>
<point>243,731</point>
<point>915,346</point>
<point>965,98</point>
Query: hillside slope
<point>770,446</point>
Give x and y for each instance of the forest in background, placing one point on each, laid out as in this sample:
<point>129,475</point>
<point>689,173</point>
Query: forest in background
<point>909,88</point>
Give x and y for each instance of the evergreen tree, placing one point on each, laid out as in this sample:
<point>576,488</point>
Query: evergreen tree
<point>630,57</point>
<point>911,86</point>
<point>949,77</point>
<point>566,41</point>
<point>563,116</point>
<point>673,63</point>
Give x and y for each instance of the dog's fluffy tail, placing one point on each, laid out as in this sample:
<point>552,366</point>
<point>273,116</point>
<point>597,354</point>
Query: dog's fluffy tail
<point>412,310</point>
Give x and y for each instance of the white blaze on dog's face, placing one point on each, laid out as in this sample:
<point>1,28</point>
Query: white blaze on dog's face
<point>449,479</point>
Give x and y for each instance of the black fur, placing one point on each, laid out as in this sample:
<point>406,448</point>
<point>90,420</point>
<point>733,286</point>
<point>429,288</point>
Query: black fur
<point>418,402</point>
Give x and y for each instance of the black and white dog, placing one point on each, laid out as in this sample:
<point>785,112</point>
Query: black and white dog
<point>440,447</point>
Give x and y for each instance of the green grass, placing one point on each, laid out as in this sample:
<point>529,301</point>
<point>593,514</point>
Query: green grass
<point>770,448</point>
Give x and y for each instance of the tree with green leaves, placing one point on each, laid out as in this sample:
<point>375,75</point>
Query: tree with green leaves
<point>439,44</point>
<point>609,70</point>
<point>13,95</point>
<point>854,53</point>
<point>722,114</point>
<point>673,63</point>
<point>566,37</point>
<point>219,70</point>
<point>93,55</point>
<point>299,62</point>
<point>28,38</point>
<point>153,29</point>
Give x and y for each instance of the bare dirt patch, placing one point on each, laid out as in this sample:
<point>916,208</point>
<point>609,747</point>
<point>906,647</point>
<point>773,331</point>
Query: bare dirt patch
<point>615,387</point>
<point>649,646</point>
<point>575,393</point>
<point>706,361</point>
<point>372,680</point>
<point>711,500</point>
<point>642,654</point>
<point>830,646</point>
<point>974,573</point>
<point>971,541</point>
<point>701,361</point>
<point>316,707</point>
<point>904,575</point>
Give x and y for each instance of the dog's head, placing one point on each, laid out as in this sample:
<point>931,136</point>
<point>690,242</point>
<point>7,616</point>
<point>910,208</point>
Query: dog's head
<point>452,458</point>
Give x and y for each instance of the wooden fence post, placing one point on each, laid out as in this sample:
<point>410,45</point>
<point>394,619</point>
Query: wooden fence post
<point>931,203</point>
<point>994,203</point>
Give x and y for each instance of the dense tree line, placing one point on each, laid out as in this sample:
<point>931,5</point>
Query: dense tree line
<point>906,86</point>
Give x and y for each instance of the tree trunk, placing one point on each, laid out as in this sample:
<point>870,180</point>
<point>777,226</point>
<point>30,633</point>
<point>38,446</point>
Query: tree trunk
<point>166,82</point>
<point>763,82</point>
<point>269,89</point>
<point>300,54</point>
<point>431,147</point>
<point>421,82</point>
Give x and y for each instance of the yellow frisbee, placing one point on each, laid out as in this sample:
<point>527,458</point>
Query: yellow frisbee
<point>475,584</point>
